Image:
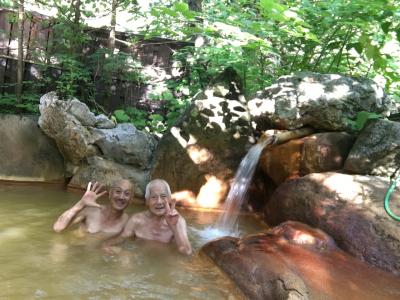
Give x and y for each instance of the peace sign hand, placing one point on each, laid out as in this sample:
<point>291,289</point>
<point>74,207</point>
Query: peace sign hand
<point>171,215</point>
<point>93,192</point>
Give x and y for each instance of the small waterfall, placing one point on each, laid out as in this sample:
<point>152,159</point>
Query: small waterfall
<point>226,223</point>
<point>239,187</point>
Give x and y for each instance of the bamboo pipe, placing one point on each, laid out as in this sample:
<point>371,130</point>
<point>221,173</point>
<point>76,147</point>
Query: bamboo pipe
<point>274,137</point>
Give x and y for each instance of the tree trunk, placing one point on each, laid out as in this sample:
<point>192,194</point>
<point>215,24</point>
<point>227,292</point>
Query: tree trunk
<point>76,9</point>
<point>20,65</point>
<point>111,38</point>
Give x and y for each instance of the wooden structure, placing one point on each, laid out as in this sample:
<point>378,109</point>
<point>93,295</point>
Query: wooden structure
<point>153,53</point>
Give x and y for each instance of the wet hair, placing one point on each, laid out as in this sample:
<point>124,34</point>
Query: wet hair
<point>154,181</point>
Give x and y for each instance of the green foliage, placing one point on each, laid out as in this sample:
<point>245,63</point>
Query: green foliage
<point>141,119</point>
<point>74,76</point>
<point>29,105</point>
<point>158,122</point>
<point>259,39</point>
<point>361,119</point>
<point>107,66</point>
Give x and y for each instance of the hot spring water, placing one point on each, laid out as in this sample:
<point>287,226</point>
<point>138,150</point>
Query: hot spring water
<point>37,263</point>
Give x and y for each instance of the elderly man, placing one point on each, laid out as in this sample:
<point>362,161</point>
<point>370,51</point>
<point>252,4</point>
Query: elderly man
<point>108,219</point>
<point>161,222</point>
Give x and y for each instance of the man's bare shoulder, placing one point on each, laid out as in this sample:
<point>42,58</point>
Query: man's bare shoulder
<point>139,217</point>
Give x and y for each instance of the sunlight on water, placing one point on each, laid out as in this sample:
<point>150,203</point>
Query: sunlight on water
<point>210,233</point>
<point>13,232</point>
<point>37,263</point>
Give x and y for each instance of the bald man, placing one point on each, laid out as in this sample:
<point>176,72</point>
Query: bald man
<point>161,222</point>
<point>92,217</point>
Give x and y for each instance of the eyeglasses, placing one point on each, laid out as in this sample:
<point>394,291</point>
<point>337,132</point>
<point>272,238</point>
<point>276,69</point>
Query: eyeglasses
<point>119,191</point>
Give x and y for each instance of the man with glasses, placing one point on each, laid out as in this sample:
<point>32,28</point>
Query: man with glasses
<point>92,217</point>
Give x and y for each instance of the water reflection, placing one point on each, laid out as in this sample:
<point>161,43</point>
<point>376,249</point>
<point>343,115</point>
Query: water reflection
<point>37,263</point>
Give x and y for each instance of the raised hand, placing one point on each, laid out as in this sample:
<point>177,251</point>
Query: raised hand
<point>171,215</point>
<point>93,192</point>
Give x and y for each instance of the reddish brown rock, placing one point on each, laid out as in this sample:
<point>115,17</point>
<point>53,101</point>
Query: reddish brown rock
<point>295,261</point>
<point>349,208</point>
<point>320,152</point>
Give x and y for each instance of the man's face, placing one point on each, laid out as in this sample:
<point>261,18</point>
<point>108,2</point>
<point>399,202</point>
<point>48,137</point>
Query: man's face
<point>157,199</point>
<point>121,194</point>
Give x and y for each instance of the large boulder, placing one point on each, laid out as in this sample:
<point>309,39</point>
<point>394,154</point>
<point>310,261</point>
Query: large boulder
<point>108,171</point>
<point>323,101</point>
<point>94,148</point>
<point>205,147</point>
<point>60,120</point>
<point>295,261</point>
<point>320,152</point>
<point>125,144</point>
<point>376,150</point>
<point>347,207</point>
<point>26,153</point>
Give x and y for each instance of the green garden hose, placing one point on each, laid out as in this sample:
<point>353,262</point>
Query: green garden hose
<point>387,199</point>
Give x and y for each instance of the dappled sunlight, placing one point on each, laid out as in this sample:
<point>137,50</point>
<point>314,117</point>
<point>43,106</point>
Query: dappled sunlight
<point>176,132</point>
<point>212,192</point>
<point>311,90</point>
<point>345,187</point>
<point>340,90</point>
<point>198,155</point>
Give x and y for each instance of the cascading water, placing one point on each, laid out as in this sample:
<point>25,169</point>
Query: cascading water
<point>239,187</point>
<point>226,223</point>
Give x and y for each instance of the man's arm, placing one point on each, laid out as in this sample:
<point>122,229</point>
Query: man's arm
<point>74,215</point>
<point>178,226</point>
<point>71,214</point>
<point>181,238</point>
<point>127,232</point>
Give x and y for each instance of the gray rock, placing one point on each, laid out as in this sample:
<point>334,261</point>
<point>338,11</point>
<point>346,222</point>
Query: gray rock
<point>71,125</point>
<point>125,144</point>
<point>106,172</point>
<point>81,111</point>
<point>72,138</point>
<point>376,150</point>
<point>323,101</point>
<point>103,122</point>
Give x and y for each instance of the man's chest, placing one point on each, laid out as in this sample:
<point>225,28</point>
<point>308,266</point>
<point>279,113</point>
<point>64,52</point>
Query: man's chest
<point>155,232</point>
<point>95,224</point>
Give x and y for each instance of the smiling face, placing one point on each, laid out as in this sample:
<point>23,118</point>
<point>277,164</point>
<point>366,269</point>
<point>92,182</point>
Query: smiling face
<point>158,195</point>
<point>121,193</point>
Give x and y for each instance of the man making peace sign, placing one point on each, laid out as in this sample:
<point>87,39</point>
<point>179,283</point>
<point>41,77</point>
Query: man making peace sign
<point>161,222</point>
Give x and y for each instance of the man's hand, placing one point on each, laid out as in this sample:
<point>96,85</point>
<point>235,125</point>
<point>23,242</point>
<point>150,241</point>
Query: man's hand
<point>74,214</point>
<point>93,192</point>
<point>171,215</point>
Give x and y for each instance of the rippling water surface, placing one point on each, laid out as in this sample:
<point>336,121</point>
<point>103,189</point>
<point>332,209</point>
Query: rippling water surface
<point>37,263</point>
